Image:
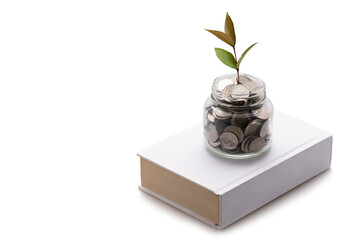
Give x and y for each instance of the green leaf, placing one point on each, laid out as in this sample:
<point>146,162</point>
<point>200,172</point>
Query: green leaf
<point>223,36</point>
<point>226,57</point>
<point>229,28</point>
<point>243,55</point>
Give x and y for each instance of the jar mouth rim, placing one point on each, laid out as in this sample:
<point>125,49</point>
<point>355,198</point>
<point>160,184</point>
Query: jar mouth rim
<point>257,80</point>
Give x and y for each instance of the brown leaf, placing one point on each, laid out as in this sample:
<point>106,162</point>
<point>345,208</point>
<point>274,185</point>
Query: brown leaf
<point>229,27</point>
<point>223,36</point>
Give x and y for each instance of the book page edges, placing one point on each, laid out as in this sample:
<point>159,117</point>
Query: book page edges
<point>180,191</point>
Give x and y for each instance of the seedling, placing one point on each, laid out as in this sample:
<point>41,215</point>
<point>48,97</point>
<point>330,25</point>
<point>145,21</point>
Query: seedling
<point>229,37</point>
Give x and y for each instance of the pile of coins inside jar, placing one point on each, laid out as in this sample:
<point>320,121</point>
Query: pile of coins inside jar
<point>237,119</point>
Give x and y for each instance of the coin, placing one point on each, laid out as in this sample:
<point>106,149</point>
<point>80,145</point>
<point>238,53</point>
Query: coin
<point>262,113</point>
<point>242,146</point>
<point>252,86</point>
<point>211,117</point>
<point>211,133</point>
<point>264,130</point>
<point>222,84</point>
<point>239,92</point>
<point>228,140</point>
<point>256,144</point>
<point>243,79</point>
<point>226,93</point>
<point>249,142</point>
<point>253,127</point>
<point>237,131</point>
<point>221,114</point>
<point>245,143</point>
<point>215,144</point>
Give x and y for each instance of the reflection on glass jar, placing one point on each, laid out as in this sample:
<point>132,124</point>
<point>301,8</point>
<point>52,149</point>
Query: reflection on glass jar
<point>238,117</point>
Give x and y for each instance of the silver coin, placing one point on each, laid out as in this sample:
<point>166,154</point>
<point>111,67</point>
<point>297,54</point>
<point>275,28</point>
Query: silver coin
<point>239,92</point>
<point>237,131</point>
<point>253,128</point>
<point>264,129</point>
<point>252,86</point>
<point>214,144</point>
<point>210,118</point>
<point>221,114</point>
<point>245,143</point>
<point>222,84</point>
<point>243,79</point>
<point>228,140</point>
<point>262,113</point>
<point>227,90</point>
<point>242,146</point>
<point>248,144</point>
<point>226,93</point>
<point>256,144</point>
<point>211,133</point>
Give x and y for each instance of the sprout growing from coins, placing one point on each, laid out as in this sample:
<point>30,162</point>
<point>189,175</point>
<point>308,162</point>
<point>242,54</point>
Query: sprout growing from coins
<point>229,37</point>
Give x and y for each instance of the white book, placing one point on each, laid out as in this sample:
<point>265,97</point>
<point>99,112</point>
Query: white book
<point>182,172</point>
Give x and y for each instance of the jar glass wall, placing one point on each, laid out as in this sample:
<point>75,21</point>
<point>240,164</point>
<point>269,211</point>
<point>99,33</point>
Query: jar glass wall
<point>238,117</point>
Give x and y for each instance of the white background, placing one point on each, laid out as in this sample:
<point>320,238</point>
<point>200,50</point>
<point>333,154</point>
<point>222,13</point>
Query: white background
<point>85,85</point>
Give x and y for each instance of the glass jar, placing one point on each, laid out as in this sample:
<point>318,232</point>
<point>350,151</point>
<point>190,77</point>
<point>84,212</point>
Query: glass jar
<point>238,117</point>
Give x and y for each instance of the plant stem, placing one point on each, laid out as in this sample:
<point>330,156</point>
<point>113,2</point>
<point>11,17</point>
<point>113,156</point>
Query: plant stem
<point>237,69</point>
